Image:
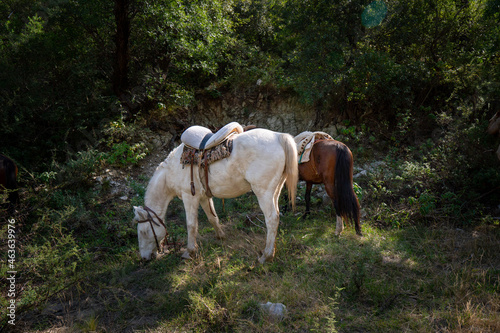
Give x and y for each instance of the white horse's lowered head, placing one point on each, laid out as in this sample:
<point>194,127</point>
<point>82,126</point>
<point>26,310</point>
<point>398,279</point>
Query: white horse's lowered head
<point>261,161</point>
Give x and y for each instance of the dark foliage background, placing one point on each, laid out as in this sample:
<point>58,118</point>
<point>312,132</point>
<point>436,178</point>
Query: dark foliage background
<point>410,75</point>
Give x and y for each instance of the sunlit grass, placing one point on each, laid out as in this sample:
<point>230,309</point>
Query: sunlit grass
<point>416,279</point>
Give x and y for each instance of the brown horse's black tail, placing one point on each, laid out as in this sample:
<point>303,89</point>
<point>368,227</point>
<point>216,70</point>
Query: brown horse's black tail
<point>346,201</point>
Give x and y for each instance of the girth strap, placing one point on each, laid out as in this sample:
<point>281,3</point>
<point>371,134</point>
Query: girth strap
<point>193,191</point>
<point>205,167</point>
<point>205,139</point>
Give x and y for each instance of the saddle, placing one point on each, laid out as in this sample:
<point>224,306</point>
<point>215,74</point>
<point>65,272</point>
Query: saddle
<point>304,147</point>
<point>202,147</point>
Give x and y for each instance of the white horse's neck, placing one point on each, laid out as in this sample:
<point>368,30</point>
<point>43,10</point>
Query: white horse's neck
<point>158,194</point>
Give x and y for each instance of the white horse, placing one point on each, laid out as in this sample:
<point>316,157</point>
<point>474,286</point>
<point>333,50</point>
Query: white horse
<point>261,161</point>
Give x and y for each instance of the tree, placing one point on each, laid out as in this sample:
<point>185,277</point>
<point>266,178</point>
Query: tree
<point>55,68</point>
<point>121,58</point>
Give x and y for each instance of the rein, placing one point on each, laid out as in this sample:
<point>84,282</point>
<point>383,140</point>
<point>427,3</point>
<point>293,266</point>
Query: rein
<point>151,221</point>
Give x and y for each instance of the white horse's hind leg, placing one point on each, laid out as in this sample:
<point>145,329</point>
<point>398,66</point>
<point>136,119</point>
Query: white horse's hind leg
<point>272,221</point>
<point>209,209</point>
<point>191,207</point>
<point>340,226</point>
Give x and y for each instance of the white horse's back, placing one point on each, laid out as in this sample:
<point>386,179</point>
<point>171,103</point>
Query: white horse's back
<point>255,162</point>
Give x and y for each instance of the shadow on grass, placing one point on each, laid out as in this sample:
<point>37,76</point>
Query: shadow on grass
<point>415,279</point>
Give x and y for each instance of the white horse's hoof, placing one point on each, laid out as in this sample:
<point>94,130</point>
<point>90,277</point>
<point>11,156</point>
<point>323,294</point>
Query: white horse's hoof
<point>264,259</point>
<point>186,256</point>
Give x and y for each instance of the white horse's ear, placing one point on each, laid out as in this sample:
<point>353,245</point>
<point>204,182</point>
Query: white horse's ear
<point>140,214</point>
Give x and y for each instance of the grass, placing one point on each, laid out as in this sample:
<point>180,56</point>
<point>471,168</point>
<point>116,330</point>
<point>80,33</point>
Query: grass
<point>412,279</point>
<point>428,261</point>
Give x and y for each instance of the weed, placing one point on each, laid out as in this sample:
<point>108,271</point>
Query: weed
<point>123,154</point>
<point>427,203</point>
<point>52,262</point>
<point>77,171</point>
<point>251,311</point>
<point>89,325</point>
<point>208,310</point>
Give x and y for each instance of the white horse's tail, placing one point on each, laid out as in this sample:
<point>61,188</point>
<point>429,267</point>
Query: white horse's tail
<point>291,171</point>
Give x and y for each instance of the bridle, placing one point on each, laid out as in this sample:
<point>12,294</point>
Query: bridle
<point>151,221</point>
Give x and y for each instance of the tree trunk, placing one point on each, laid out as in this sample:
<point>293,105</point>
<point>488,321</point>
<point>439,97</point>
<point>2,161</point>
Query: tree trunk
<point>121,59</point>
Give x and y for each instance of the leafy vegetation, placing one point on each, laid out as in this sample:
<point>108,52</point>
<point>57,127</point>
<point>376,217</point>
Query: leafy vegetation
<point>85,87</point>
<point>421,59</point>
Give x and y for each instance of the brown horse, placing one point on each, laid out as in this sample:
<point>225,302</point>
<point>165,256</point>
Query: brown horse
<point>331,163</point>
<point>8,181</point>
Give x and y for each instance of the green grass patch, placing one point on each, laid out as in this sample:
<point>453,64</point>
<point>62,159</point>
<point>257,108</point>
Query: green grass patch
<point>417,278</point>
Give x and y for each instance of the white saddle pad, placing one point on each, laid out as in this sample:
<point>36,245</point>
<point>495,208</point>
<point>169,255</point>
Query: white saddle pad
<point>194,135</point>
<point>305,141</point>
<point>223,133</point>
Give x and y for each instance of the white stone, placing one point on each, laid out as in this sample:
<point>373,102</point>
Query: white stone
<point>275,310</point>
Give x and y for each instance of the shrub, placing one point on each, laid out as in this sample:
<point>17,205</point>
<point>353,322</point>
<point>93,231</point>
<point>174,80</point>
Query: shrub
<point>49,262</point>
<point>123,154</point>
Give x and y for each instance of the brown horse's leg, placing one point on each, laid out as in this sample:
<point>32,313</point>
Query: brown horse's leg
<point>340,226</point>
<point>308,199</point>
<point>330,190</point>
<point>340,223</point>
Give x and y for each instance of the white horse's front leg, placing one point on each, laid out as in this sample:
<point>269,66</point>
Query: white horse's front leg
<point>208,207</point>
<point>191,207</point>
<point>340,226</point>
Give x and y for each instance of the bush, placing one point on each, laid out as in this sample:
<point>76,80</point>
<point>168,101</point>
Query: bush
<point>123,154</point>
<point>52,259</point>
<point>79,169</point>
<point>446,178</point>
